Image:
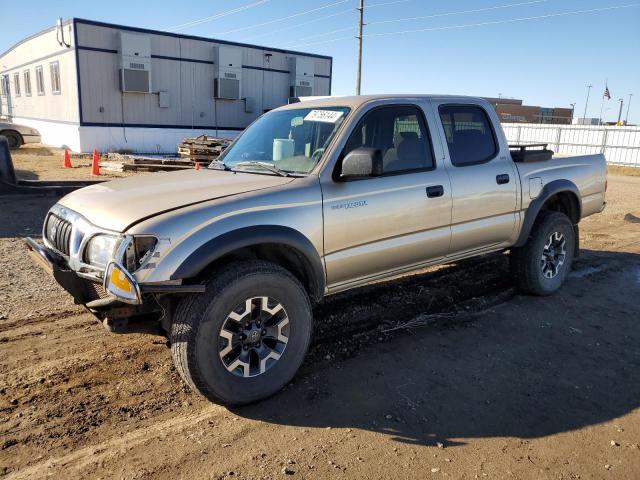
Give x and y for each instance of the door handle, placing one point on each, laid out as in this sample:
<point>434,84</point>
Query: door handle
<point>502,179</point>
<point>435,191</point>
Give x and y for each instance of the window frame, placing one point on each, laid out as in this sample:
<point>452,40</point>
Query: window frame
<point>38,91</point>
<point>55,64</point>
<point>26,75</point>
<point>491,129</point>
<point>16,84</point>
<point>420,114</point>
<point>4,87</point>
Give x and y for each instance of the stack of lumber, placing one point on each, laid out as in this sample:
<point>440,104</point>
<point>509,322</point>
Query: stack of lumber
<point>134,163</point>
<point>202,148</point>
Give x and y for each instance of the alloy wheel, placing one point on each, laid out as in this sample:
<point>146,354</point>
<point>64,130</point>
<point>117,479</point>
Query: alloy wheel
<point>553,255</point>
<point>253,337</point>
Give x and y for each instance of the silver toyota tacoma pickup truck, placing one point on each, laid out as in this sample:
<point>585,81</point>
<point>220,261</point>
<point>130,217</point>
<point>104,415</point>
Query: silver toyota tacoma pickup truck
<point>313,198</point>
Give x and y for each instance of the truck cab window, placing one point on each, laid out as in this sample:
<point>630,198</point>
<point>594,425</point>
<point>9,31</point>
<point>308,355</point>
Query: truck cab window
<point>400,133</point>
<point>469,135</point>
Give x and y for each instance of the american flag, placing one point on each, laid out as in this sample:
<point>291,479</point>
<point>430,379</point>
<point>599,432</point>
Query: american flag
<point>606,93</point>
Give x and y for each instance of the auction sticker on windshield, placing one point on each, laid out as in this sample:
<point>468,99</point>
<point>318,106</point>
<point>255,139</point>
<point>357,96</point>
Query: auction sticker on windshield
<point>328,116</point>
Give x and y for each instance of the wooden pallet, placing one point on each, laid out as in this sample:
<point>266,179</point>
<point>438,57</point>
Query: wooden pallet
<point>202,147</point>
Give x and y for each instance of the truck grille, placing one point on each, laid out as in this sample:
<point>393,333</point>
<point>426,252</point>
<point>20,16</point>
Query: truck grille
<point>58,232</point>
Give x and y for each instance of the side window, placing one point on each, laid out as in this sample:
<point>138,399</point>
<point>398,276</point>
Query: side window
<point>399,133</point>
<point>469,134</point>
<point>27,82</point>
<point>39,80</point>
<point>16,84</point>
<point>54,68</point>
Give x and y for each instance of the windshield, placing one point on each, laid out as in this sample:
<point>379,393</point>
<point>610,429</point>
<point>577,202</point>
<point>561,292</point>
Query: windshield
<point>285,142</point>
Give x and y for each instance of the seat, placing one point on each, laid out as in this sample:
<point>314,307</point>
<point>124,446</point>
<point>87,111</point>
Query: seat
<point>408,153</point>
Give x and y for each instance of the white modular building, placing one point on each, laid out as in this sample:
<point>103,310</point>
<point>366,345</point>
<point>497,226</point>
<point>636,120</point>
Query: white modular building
<point>85,84</point>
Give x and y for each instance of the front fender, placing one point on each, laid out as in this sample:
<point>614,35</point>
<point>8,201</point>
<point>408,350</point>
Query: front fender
<point>234,240</point>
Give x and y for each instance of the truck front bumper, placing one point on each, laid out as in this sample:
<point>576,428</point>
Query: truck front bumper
<point>84,291</point>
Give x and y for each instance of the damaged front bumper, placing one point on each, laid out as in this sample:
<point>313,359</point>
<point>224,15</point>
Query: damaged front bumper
<point>114,310</point>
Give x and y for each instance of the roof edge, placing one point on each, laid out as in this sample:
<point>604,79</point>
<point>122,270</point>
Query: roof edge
<point>34,35</point>
<point>196,37</point>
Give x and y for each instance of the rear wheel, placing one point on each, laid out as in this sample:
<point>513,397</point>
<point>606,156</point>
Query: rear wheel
<point>245,338</point>
<point>13,138</point>
<point>542,264</point>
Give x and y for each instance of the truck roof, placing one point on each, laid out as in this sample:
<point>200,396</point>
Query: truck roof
<point>356,101</point>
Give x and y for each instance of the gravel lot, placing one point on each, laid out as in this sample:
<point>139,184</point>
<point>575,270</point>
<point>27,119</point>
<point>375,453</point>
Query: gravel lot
<point>494,385</point>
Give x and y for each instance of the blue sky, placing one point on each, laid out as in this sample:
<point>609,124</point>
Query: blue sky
<point>546,61</point>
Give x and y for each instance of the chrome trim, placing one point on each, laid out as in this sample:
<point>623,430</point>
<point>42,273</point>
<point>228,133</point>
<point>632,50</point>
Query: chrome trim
<point>82,230</point>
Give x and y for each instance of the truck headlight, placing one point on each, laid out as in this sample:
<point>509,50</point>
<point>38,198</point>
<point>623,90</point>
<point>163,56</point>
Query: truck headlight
<point>138,251</point>
<point>100,250</point>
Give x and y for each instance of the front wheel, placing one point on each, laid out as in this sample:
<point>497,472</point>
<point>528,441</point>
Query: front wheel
<point>542,264</point>
<point>245,338</point>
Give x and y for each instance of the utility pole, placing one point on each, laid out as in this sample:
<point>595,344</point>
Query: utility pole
<point>620,111</point>
<point>359,37</point>
<point>573,107</point>
<point>587,102</point>
<point>626,118</point>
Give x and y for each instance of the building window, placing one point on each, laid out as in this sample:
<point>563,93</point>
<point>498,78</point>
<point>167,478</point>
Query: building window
<point>54,67</point>
<point>4,85</point>
<point>39,80</point>
<point>27,82</point>
<point>16,84</point>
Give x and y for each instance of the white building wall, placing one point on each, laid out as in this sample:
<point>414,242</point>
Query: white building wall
<point>41,50</point>
<point>140,140</point>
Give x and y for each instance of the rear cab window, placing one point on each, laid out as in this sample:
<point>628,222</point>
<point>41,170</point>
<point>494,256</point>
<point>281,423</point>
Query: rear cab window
<point>469,134</point>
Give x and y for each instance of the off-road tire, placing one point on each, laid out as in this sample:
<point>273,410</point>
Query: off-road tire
<point>199,318</point>
<point>526,260</point>
<point>13,138</point>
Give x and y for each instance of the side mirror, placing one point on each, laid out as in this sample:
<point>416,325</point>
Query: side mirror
<point>362,163</point>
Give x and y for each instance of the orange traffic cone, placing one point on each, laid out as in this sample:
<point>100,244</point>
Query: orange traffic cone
<point>95,163</point>
<point>197,167</point>
<point>66,163</point>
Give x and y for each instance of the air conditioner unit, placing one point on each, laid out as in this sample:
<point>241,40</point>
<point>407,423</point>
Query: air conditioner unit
<point>135,63</point>
<point>228,81</point>
<point>302,76</point>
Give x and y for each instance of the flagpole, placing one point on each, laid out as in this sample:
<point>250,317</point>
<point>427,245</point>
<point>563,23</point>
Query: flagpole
<point>606,86</point>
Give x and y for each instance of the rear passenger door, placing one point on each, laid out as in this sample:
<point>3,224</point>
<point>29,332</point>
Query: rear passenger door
<point>483,178</point>
<point>374,226</point>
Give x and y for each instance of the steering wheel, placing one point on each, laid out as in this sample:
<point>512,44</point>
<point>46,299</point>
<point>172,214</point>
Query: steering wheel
<point>317,154</point>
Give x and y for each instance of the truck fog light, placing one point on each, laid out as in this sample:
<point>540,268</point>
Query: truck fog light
<point>120,283</point>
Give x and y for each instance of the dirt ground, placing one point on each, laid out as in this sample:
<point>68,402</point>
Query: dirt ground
<point>493,385</point>
<point>40,162</point>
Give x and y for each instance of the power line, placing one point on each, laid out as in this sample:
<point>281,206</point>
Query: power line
<point>283,18</point>
<point>447,14</point>
<point>511,20</point>
<point>211,18</point>
<point>496,22</point>
<point>302,24</point>
<point>424,16</point>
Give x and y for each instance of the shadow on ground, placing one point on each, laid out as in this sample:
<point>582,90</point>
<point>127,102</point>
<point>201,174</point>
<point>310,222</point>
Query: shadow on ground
<point>528,367</point>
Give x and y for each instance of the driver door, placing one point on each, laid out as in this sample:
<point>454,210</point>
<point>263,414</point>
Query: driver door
<point>375,226</point>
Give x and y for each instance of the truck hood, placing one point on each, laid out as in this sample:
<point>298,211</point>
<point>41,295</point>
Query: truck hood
<point>118,204</point>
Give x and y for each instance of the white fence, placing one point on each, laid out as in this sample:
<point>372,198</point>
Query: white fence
<point>620,145</point>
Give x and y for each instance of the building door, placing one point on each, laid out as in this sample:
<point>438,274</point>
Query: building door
<point>5,96</point>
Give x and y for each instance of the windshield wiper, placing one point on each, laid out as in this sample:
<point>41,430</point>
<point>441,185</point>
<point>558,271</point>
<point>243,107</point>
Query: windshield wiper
<point>264,165</point>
